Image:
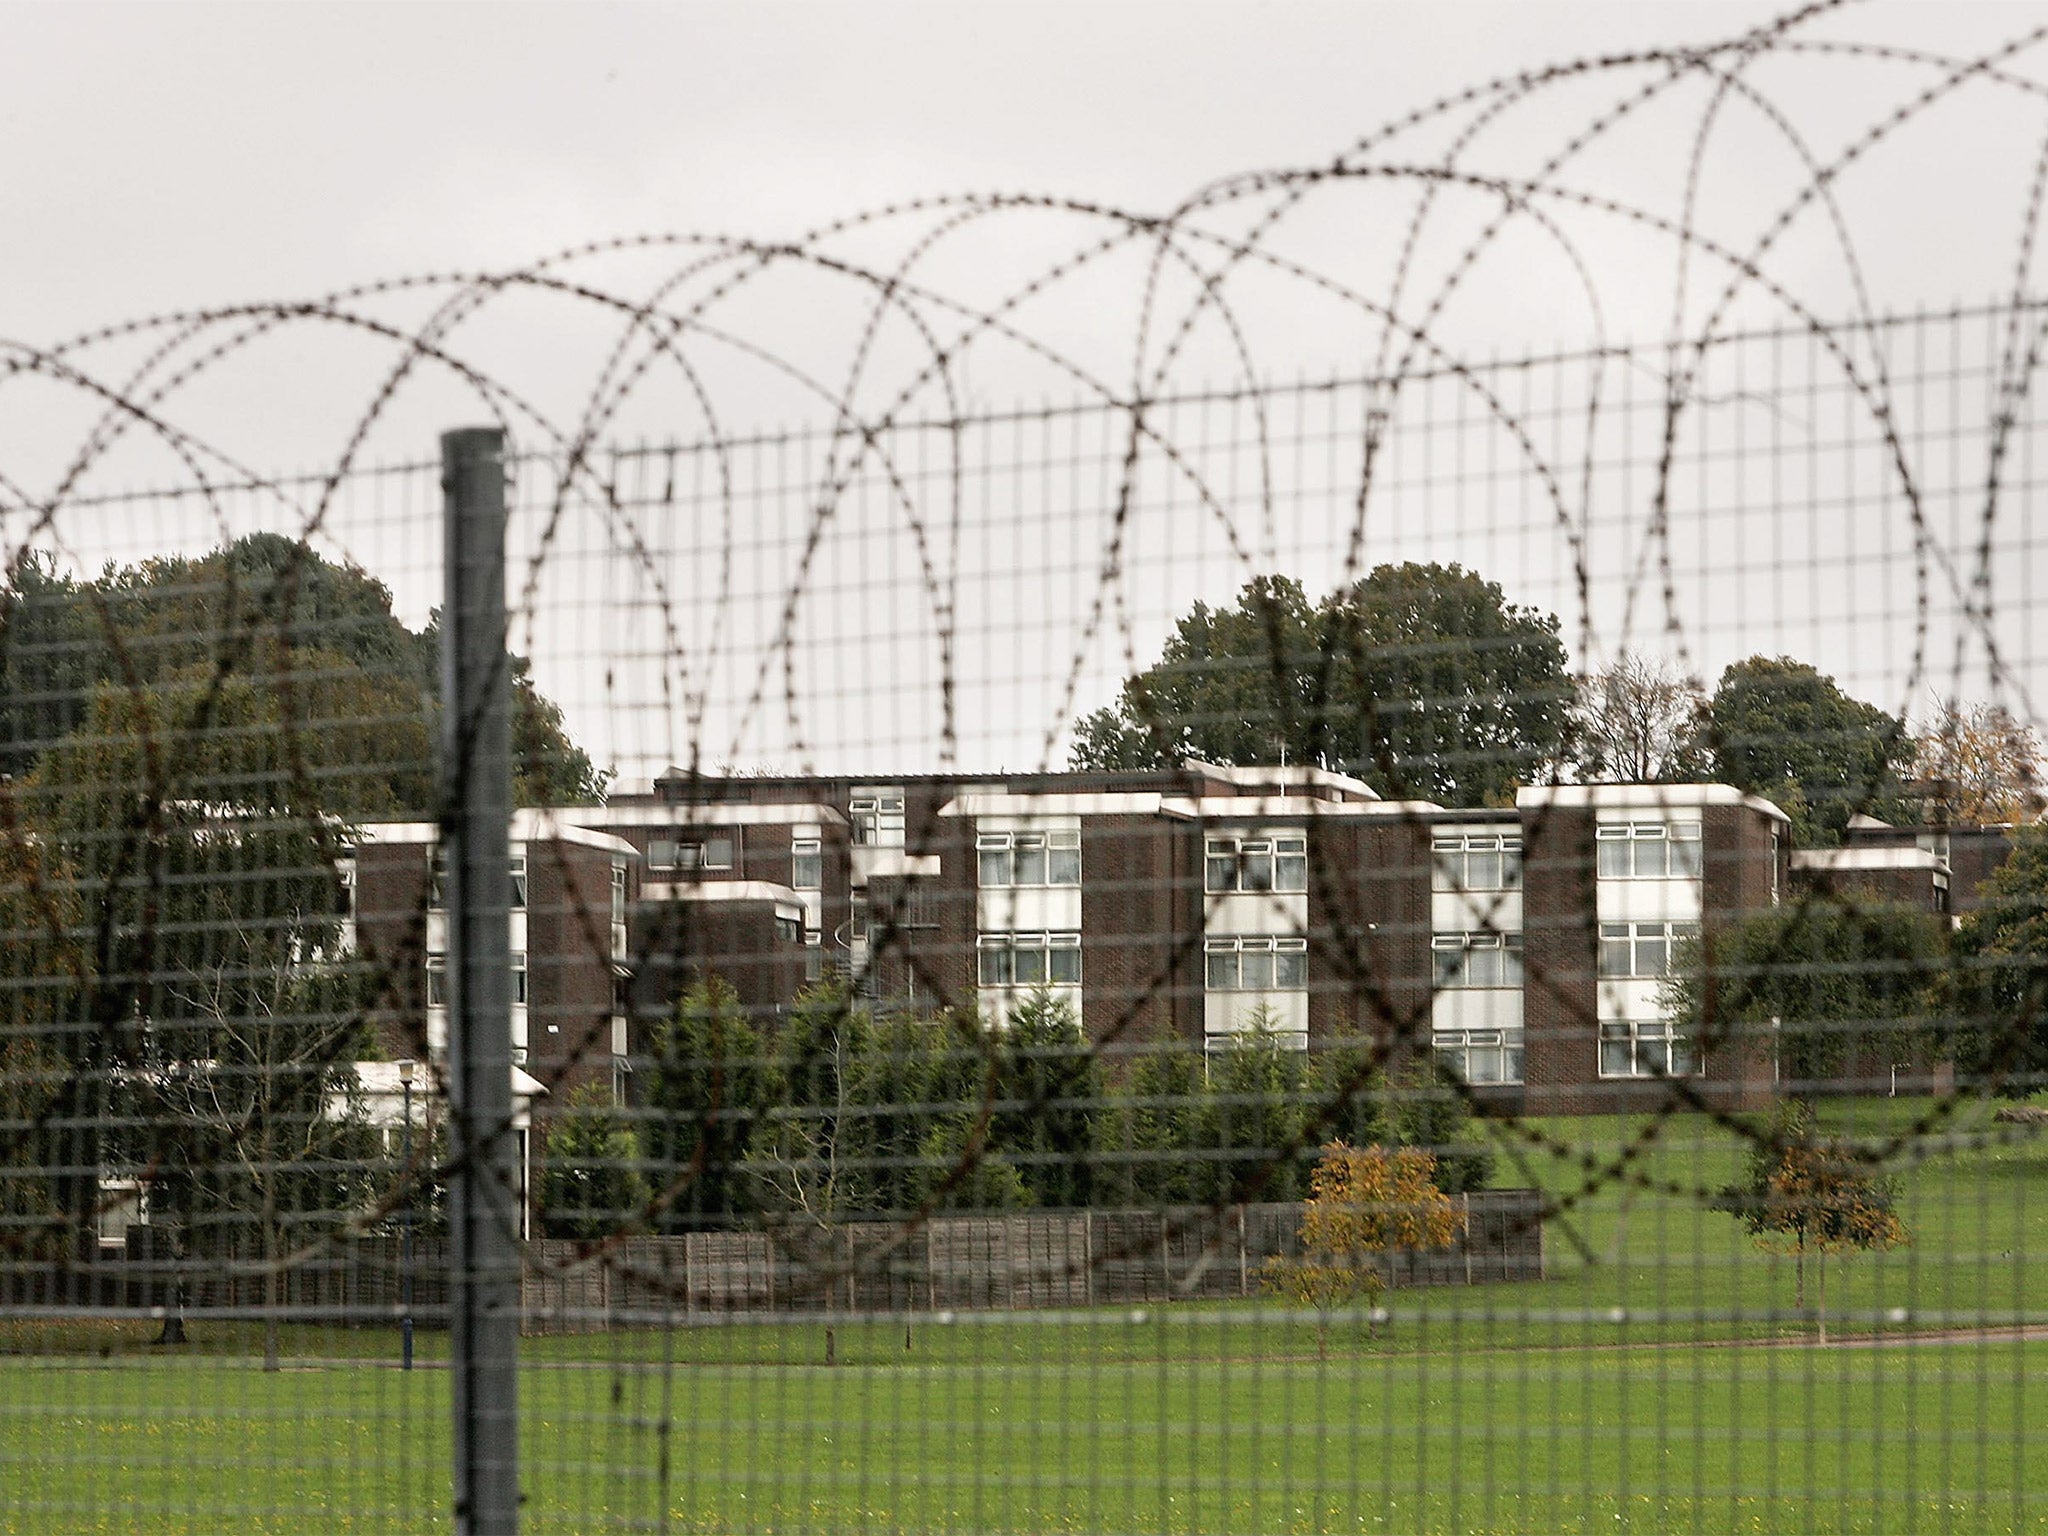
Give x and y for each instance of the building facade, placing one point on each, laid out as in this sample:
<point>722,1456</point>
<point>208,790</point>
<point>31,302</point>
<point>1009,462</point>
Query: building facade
<point>1527,947</point>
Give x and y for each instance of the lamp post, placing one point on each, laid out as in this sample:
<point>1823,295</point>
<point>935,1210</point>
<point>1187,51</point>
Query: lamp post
<point>405,1070</point>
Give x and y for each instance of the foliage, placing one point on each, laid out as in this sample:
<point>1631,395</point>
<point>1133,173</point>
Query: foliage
<point>1778,728</point>
<point>1980,766</point>
<point>2004,950</point>
<point>359,690</point>
<point>1353,1098</point>
<point>1803,1193</point>
<point>1638,721</point>
<point>707,1087</point>
<point>1050,1083</point>
<point>1367,1203</point>
<point>593,1178</point>
<point>40,972</point>
<point>1824,979</point>
<point>1422,679</point>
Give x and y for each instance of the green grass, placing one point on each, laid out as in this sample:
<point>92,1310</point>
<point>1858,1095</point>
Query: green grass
<point>1657,1381</point>
<point>1892,1439</point>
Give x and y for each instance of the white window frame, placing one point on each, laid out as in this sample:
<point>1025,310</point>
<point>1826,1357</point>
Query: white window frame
<point>692,849</point>
<point>1027,860</point>
<point>1503,1048</point>
<point>1451,860</point>
<point>1225,967</point>
<point>877,819</point>
<point>1233,864</point>
<point>1638,937</point>
<point>519,982</point>
<point>1632,1048</point>
<point>518,875</point>
<point>1648,850</point>
<point>803,851</point>
<point>996,959</point>
<point>1493,954</point>
<point>437,980</point>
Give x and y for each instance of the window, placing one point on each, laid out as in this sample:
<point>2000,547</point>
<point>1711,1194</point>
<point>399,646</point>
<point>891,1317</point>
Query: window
<point>1641,949</point>
<point>437,880</point>
<point>806,864</point>
<point>519,883</point>
<point>1256,864</point>
<point>877,818</point>
<point>1255,965</point>
<point>1484,959</point>
<point>1645,1048</point>
<point>1480,1055</point>
<point>1029,959</point>
<point>1029,858</point>
<point>788,930</point>
<point>1774,866</point>
<point>696,851</point>
<point>1477,861</point>
<point>1649,850</point>
<point>518,975</point>
<point>437,981</point>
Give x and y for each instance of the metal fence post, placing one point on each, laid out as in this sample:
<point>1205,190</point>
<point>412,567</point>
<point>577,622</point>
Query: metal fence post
<point>485,1191</point>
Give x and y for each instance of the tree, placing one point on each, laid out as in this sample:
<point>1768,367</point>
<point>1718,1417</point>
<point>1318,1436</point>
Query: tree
<point>1365,1206</point>
<point>1049,1087</point>
<point>249,1112</point>
<point>2003,982</point>
<point>41,1096</point>
<point>1422,679</point>
<point>1778,728</point>
<point>1638,721</point>
<point>269,610</point>
<point>1352,1098</point>
<point>1803,1193</point>
<point>1978,765</point>
<point>593,1177</point>
<point>709,1085</point>
<point>1248,1125</point>
<point>1824,980</point>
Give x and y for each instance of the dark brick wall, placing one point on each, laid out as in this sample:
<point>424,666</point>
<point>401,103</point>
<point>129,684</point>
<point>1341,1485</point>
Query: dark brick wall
<point>675,942</point>
<point>1141,961</point>
<point>569,972</point>
<point>1559,947</point>
<point>391,902</point>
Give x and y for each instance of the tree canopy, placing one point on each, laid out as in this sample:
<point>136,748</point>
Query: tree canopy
<point>2004,944</point>
<point>319,637</point>
<point>1824,980</point>
<point>1779,728</point>
<point>1421,679</point>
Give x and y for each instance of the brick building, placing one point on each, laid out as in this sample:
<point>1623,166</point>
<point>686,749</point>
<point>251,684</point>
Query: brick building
<point>1525,946</point>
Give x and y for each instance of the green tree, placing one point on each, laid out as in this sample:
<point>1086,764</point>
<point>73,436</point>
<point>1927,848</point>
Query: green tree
<point>320,635</point>
<point>593,1173</point>
<point>1824,979</point>
<point>1776,727</point>
<point>1422,679</point>
<point>1351,1097</point>
<point>40,1095</point>
<point>1807,1194</point>
<point>1153,1127</point>
<point>1248,1125</point>
<point>1049,1090</point>
<point>709,1084</point>
<point>2003,983</point>
<point>812,1168</point>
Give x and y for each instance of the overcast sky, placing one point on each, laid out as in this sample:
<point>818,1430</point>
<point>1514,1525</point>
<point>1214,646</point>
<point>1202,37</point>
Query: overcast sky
<point>170,157</point>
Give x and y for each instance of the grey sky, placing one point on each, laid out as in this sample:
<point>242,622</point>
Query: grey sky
<point>171,157</point>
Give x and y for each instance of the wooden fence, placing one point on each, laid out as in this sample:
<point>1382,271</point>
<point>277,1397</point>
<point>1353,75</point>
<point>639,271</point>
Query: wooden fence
<point>1028,1260</point>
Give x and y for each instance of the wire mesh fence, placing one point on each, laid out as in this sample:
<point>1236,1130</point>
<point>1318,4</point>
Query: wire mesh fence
<point>1454,945</point>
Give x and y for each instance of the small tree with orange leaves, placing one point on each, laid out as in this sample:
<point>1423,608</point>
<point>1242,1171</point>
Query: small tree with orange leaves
<point>1807,1193</point>
<point>1365,1204</point>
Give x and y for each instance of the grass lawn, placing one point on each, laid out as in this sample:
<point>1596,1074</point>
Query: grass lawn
<point>1657,1381</point>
